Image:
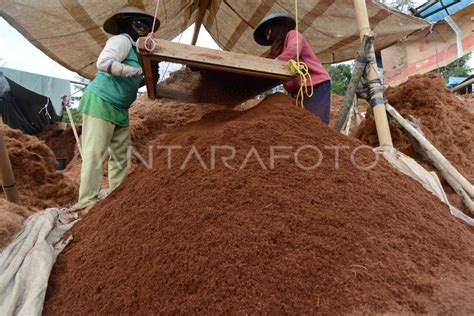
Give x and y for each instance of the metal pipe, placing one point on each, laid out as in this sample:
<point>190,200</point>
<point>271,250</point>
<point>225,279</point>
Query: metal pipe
<point>6,174</point>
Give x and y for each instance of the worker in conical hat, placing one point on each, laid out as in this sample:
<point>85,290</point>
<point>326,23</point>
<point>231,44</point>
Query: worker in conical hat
<point>278,31</point>
<point>106,101</point>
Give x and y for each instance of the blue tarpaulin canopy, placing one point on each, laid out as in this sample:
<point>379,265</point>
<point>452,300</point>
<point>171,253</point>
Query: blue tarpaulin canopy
<point>454,81</point>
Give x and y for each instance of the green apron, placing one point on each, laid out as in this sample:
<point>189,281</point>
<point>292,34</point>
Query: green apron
<point>109,97</point>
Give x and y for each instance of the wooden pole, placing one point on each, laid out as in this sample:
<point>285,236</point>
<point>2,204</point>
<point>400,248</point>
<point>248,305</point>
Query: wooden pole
<point>377,100</point>
<point>203,5</point>
<point>357,73</point>
<point>459,183</point>
<point>347,127</point>
<point>73,125</point>
<point>462,85</point>
<point>357,115</point>
<point>6,174</point>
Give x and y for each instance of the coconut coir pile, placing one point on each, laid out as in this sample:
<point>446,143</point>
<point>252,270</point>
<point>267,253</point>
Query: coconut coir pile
<point>149,118</point>
<point>443,118</point>
<point>203,238</point>
<point>34,166</point>
<point>39,184</point>
<point>61,142</point>
<point>11,220</point>
<point>215,87</point>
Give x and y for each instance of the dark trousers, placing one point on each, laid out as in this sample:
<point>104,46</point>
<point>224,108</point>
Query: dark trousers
<point>320,103</point>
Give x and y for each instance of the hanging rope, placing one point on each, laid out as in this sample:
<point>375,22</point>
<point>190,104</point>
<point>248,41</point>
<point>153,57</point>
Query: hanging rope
<point>150,43</point>
<point>45,109</point>
<point>299,68</point>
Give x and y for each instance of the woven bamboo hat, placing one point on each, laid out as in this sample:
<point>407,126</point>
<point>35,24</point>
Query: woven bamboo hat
<point>259,32</point>
<point>127,11</point>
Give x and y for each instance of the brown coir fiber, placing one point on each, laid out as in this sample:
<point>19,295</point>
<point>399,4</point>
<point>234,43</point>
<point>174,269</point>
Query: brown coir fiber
<point>443,117</point>
<point>62,142</point>
<point>11,220</point>
<point>34,166</point>
<point>215,87</point>
<point>195,241</point>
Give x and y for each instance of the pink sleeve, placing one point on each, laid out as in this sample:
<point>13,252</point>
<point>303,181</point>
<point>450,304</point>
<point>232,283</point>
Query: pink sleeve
<point>289,50</point>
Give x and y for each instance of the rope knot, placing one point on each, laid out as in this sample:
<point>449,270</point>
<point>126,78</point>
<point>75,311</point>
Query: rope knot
<point>299,68</point>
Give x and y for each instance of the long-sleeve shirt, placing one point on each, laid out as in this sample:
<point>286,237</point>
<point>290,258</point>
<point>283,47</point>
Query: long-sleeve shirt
<point>116,83</point>
<point>316,70</point>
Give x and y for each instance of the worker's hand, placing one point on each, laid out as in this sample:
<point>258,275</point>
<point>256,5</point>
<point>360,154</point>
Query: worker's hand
<point>135,72</point>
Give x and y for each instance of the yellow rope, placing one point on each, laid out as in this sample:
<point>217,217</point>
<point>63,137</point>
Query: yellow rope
<point>299,68</point>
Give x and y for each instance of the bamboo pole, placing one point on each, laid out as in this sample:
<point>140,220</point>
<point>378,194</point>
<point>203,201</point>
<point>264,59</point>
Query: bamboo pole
<point>462,85</point>
<point>347,128</point>
<point>357,73</point>
<point>380,115</point>
<point>203,5</point>
<point>6,174</point>
<point>357,115</point>
<point>73,125</point>
<point>459,183</point>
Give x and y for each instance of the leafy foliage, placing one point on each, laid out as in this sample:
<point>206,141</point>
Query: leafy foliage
<point>458,68</point>
<point>341,75</point>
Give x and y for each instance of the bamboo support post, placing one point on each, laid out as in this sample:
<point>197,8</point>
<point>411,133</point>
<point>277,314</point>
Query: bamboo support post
<point>377,100</point>
<point>347,127</point>
<point>73,125</point>
<point>357,115</point>
<point>459,183</point>
<point>357,73</point>
<point>6,174</point>
<point>462,85</point>
<point>203,5</point>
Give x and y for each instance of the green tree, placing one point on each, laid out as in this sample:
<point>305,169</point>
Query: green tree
<point>341,74</point>
<point>458,68</point>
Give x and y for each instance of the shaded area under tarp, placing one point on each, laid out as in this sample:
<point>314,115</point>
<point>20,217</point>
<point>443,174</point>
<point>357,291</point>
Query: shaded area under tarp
<point>330,26</point>
<point>23,109</point>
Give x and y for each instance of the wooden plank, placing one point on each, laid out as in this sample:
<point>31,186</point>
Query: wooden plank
<point>167,93</point>
<point>150,69</point>
<point>216,60</point>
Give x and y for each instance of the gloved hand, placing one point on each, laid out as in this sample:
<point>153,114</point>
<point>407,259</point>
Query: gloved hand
<point>134,72</point>
<point>127,71</point>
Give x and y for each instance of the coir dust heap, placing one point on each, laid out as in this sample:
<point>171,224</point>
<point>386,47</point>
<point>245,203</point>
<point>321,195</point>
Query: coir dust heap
<point>203,238</point>
<point>442,117</point>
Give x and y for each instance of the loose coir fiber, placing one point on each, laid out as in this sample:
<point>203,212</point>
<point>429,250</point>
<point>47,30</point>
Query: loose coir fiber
<point>34,166</point>
<point>39,184</point>
<point>62,143</point>
<point>250,240</point>
<point>442,116</point>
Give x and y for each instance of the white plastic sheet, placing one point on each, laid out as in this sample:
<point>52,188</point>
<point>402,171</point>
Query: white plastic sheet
<point>429,180</point>
<point>26,263</point>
